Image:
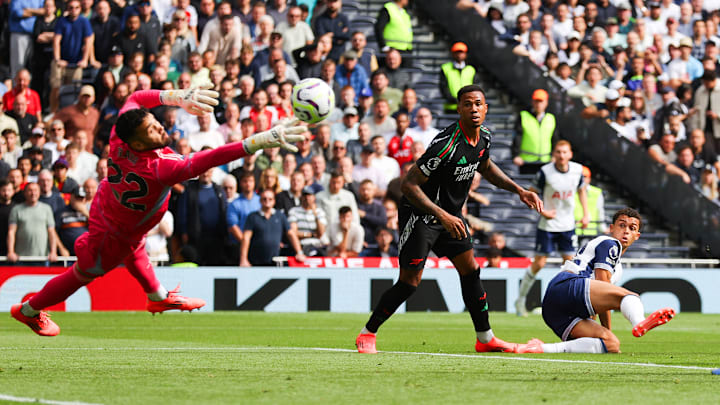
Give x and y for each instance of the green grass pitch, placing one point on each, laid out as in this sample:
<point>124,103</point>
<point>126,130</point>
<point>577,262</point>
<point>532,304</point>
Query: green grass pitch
<point>252,357</point>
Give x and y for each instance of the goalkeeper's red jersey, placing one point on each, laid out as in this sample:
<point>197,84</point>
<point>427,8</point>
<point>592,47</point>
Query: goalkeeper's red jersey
<point>134,197</point>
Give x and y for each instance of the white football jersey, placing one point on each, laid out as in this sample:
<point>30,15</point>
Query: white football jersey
<point>602,252</point>
<point>558,193</point>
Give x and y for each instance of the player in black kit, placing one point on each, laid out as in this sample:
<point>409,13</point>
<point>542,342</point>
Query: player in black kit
<point>434,191</point>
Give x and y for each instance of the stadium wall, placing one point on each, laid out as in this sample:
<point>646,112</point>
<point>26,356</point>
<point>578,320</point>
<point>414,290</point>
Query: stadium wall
<point>276,289</point>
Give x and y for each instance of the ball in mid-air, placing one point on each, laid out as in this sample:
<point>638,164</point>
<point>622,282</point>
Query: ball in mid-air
<point>312,100</point>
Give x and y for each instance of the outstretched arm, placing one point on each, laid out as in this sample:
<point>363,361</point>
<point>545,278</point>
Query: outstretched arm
<point>497,177</point>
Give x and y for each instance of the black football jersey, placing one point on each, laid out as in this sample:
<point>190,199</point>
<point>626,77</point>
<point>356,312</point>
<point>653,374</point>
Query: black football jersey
<point>450,162</point>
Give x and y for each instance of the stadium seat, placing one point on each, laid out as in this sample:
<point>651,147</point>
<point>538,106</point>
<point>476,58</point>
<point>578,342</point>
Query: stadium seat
<point>69,94</point>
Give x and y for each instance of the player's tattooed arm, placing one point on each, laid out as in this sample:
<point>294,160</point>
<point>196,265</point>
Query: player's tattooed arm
<point>412,191</point>
<point>497,177</point>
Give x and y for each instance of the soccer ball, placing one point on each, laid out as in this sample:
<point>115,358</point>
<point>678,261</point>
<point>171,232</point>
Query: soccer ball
<point>312,100</point>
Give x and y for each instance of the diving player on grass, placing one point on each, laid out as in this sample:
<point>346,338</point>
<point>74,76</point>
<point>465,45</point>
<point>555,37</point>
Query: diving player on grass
<point>134,197</point>
<point>435,190</point>
<point>586,286</point>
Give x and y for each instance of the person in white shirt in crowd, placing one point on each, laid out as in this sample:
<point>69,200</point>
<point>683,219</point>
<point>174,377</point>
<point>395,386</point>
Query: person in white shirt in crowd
<point>591,91</point>
<point>296,33</point>
<point>385,163</point>
<point>56,139</point>
<point>511,10</point>
<point>205,136</point>
<point>381,123</point>
<point>188,9</point>
<point>623,124</point>
<point>345,236</point>
<point>669,9</point>
<point>334,197</point>
<point>75,170</point>
<point>309,223</point>
<point>347,129</point>
<point>424,131</point>
<point>655,22</point>
<point>320,175</point>
<point>366,170</point>
<point>289,164</point>
<point>213,27</point>
<point>156,239</point>
<point>87,162</point>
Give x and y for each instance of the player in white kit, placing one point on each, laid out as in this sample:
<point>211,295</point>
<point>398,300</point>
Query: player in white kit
<point>558,181</point>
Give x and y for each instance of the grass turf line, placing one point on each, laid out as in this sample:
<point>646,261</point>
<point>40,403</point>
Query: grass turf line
<point>115,369</point>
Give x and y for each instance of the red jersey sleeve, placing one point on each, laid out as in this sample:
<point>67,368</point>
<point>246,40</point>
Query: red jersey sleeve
<point>173,168</point>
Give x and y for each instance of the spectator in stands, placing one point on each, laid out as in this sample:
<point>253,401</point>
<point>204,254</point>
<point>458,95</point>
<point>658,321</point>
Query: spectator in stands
<point>36,150</point>
<point>66,185</point>
<point>7,122</point>
<point>21,19</point>
<point>705,114</point>
<point>189,27</point>
<point>296,33</point>
<point>72,219</point>
<point>393,28</point>
<point>180,45</point>
<point>48,193</point>
<point>6,204</point>
<point>387,165</point>
<point>335,22</point>
<point>229,186</point>
<point>334,197</point>
<point>263,233</point>
<point>664,153</point>
<point>24,120</point>
<point>365,104</point>
<point>590,91</point>
<point>596,208</point>
<point>21,87</point>
<point>31,227</point>
<point>365,170</point>
<point>350,73</point>
<point>381,123</point>
<point>366,56</point>
<point>290,197</point>
<point>536,133</point>
<point>606,110</point>
<point>497,241</point>
<point>493,257</point>
<point>409,105</point>
<point>4,167</point>
<point>206,12</point>
<point>372,213</point>
<point>423,131</point>
<point>202,219</point>
<point>384,242</point>
<point>704,152</point>
<point>225,41</point>
<point>535,49</point>
<point>205,136</point>
<point>400,145</point>
<point>382,91</point>
<point>456,74</point>
<point>345,236</point>
<point>132,40</point>
<point>264,33</point>
<point>81,116</point>
<point>355,146</point>
<point>347,129</point>
<point>624,125</point>
<point>308,223</point>
<point>684,162</point>
<point>398,77</point>
<point>198,73</point>
<point>239,209</point>
<point>309,61</point>
<point>13,151</point>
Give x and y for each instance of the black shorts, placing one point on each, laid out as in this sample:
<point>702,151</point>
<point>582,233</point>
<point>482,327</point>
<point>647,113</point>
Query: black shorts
<point>420,233</point>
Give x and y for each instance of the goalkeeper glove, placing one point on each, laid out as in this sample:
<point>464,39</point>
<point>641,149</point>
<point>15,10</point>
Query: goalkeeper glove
<point>284,134</point>
<point>198,100</point>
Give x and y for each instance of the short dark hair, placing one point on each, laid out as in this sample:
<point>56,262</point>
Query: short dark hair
<point>128,123</point>
<point>4,182</point>
<point>493,252</point>
<point>336,174</point>
<point>628,212</point>
<point>344,210</point>
<point>709,75</point>
<point>469,89</point>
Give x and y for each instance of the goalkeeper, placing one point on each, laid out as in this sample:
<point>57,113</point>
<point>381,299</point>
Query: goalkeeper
<point>134,197</point>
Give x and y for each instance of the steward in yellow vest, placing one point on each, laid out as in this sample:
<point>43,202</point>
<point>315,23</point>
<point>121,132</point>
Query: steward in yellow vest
<point>536,133</point>
<point>393,28</point>
<point>596,209</point>
<point>455,75</point>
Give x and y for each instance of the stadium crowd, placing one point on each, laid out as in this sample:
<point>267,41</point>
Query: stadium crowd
<point>648,68</point>
<point>68,67</point>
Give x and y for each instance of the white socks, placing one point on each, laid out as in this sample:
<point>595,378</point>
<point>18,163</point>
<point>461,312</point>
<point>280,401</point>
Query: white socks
<point>485,336</point>
<point>527,282</point>
<point>27,310</point>
<point>158,295</point>
<point>632,309</point>
<point>582,345</point>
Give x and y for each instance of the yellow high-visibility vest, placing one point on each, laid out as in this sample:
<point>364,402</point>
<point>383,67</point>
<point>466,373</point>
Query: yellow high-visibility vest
<point>457,79</point>
<point>398,32</point>
<point>536,144</point>
<point>593,196</point>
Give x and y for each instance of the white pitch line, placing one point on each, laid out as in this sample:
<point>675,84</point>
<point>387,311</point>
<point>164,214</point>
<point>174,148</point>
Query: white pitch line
<point>42,401</point>
<point>338,350</point>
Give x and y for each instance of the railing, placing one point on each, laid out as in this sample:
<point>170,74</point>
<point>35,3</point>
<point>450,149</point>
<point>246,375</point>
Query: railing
<point>66,260</point>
